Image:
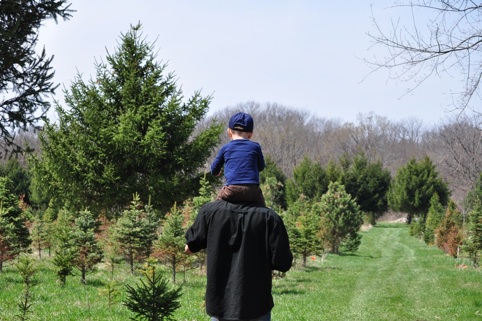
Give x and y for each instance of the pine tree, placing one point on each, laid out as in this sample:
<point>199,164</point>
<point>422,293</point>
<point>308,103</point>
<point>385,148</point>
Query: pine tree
<point>368,184</point>
<point>190,209</point>
<point>270,188</point>
<point>135,231</point>
<point>205,195</point>
<point>169,247</point>
<point>340,218</point>
<point>473,240</point>
<point>14,235</point>
<point>126,131</point>
<point>302,225</point>
<point>39,233</point>
<point>88,251</point>
<point>434,217</point>
<point>273,182</point>
<point>25,76</point>
<point>414,186</point>
<point>309,179</point>
<point>152,299</point>
<point>448,236</point>
<point>27,269</point>
<point>65,250</point>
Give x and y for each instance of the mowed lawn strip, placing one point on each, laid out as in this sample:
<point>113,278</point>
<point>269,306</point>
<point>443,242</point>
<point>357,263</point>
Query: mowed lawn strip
<point>393,276</point>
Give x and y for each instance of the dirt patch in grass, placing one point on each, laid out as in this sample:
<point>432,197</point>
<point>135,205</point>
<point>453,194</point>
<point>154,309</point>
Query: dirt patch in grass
<point>366,227</point>
<point>393,217</point>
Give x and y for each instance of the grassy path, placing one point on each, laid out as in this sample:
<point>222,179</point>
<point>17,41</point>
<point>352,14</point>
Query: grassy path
<point>392,277</point>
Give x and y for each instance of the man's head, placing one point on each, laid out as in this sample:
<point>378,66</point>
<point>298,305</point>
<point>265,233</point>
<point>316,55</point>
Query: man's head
<point>241,122</point>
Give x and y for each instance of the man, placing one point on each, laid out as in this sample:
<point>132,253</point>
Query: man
<point>244,244</point>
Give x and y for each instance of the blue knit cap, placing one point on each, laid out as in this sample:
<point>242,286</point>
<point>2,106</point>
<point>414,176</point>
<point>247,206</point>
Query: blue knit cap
<point>242,122</point>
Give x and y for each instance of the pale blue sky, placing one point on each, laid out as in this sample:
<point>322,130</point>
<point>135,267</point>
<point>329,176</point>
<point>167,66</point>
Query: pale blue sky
<point>302,54</point>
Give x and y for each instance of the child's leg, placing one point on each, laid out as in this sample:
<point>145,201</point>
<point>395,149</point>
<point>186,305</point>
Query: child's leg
<point>242,193</point>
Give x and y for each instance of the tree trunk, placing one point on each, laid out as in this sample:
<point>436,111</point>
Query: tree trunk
<point>83,271</point>
<point>173,265</point>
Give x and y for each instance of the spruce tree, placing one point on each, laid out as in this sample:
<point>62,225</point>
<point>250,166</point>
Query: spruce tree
<point>39,233</point>
<point>14,235</point>
<point>128,130</point>
<point>169,248</point>
<point>434,217</point>
<point>25,76</point>
<point>340,218</point>
<point>135,231</point>
<point>448,235</point>
<point>302,225</point>
<point>27,269</point>
<point>152,299</point>
<point>88,250</point>
<point>309,179</point>
<point>413,187</point>
<point>368,183</point>
<point>65,250</point>
<point>273,183</point>
<point>473,240</point>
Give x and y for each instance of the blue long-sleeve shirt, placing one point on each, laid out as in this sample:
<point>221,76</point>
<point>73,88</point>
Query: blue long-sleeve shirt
<point>242,160</point>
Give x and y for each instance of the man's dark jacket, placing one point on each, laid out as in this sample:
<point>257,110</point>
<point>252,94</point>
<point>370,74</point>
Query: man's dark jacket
<point>244,244</point>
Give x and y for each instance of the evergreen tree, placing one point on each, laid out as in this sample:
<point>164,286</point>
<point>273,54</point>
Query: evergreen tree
<point>190,209</point>
<point>205,196</point>
<point>135,231</point>
<point>126,131</point>
<point>270,188</point>
<point>27,269</point>
<point>309,179</point>
<point>14,235</point>
<point>303,227</point>
<point>273,182</point>
<point>25,76</point>
<point>110,246</point>
<point>475,195</point>
<point>19,176</point>
<point>39,233</point>
<point>335,172</point>
<point>65,250</point>
<point>88,251</point>
<point>169,248</point>
<point>448,236</point>
<point>434,217</point>
<point>340,218</point>
<point>152,299</point>
<point>368,184</point>
<point>473,241</point>
<point>414,186</point>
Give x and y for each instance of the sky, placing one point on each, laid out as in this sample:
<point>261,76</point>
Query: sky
<point>302,54</point>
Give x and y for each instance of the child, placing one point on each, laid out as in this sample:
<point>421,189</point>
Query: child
<point>242,160</point>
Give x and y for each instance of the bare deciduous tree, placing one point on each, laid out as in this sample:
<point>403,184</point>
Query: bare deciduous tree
<point>440,37</point>
<point>459,153</point>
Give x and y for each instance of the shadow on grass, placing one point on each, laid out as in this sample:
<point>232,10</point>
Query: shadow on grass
<point>310,269</point>
<point>96,283</point>
<point>288,290</point>
<point>390,225</point>
<point>292,287</point>
<point>351,254</point>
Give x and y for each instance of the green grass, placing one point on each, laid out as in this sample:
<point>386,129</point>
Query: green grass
<point>392,277</point>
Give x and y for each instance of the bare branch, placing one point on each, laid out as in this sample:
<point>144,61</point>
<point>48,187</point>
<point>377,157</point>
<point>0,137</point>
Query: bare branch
<point>450,39</point>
